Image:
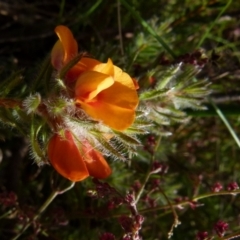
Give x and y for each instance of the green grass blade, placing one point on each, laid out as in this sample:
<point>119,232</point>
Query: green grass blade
<point>225,121</point>
<point>205,35</point>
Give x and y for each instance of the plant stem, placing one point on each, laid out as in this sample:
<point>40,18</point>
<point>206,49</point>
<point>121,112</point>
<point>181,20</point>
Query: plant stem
<point>211,194</point>
<point>231,236</point>
<point>149,172</point>
<point>7,213</point>
<point>176,220</point>
<point>142,188</point>
<point>10,103</point>
<point>43,208</point>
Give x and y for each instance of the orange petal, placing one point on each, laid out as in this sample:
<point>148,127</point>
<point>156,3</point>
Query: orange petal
<point>87,63</point>
<point>57,55</point>
<point>65,157</point>
<point>68,42</point>
<point>115,106</point>
<point>96,164</point>
<point>106,68</point>
<point>83,65</point>
<point>119,95</point>
<point>123,78</point>
<point>90,83</point>
<point>113,116</point>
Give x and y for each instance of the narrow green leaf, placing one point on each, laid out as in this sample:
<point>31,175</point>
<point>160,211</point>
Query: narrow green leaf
<point>127,139</point>
<point>225,121</point>
<point>10,83</point>
<point>69,65</point>
<point>135,130</point>
<point>44,67</point>
<point>32,102</point>
<point>153,94</point>
<point>37,151</point>
<point>107,146</point>
<point>166,75</point>
<point>213,23</point>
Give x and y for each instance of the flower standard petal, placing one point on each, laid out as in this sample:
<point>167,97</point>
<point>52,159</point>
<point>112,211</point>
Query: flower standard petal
<point>65,48</point>
<point>68,41</point>
<point>57,55</point>
<point>65,157</point>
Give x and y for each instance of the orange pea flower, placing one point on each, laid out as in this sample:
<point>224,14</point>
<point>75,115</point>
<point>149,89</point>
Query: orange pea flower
<point>76,161</point>
<point>102,90</point>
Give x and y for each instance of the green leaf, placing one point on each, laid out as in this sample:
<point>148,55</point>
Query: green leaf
<point>141,124</point>
<point>153,94</point>
<point>173,116</point>
<point>108,147</point>
<point>127,139</point>
<point>44,71</point>
<point>32,102</point>
<point>181,102</point>
<point>166,75</point>
<point>11,83</point>
<point>37,151</point>
<point>6,117</point>
<point>69,65</point>
<point>135,130</point>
